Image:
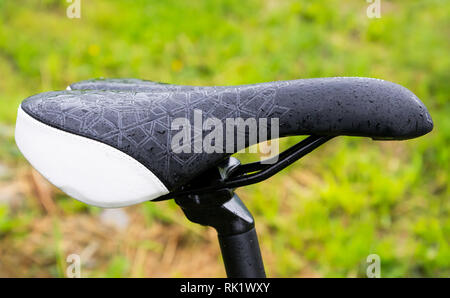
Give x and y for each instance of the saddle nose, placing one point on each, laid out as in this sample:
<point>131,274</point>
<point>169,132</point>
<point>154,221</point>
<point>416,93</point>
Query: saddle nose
<point>379,109</point>
<point>407,112</point>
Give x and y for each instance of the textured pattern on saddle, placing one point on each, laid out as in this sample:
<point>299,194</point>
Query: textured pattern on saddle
<point>139,124</point>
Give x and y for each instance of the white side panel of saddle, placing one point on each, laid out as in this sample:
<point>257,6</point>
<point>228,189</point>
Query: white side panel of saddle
<point>85,169</point>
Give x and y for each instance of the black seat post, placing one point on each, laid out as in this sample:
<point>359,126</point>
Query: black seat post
<point>235,226</point>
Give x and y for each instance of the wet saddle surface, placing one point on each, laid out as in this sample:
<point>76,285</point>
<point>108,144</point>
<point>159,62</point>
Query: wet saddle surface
<point>135,118</point>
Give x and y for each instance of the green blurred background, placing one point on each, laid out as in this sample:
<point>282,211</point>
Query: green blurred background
<point>321,217</point>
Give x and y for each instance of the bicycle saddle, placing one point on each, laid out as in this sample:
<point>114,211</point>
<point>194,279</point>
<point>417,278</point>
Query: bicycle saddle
<point>113,148</point>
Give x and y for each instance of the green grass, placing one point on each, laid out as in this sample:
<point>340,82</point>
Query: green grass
<point>324,215</point>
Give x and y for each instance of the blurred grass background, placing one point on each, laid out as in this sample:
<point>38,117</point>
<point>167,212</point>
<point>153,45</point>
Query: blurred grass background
<point>321,217</point>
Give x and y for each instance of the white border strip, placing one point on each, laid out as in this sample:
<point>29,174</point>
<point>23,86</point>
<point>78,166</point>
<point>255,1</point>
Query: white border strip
<point>85,169</point>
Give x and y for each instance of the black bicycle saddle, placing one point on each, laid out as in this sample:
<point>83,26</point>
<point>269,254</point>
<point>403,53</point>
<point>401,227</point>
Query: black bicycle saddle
<point>114,148</point>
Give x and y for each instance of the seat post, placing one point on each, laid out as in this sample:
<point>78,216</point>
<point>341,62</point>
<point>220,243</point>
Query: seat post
<point>241,253</point>
<point>235,226</point>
